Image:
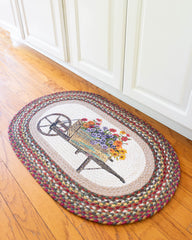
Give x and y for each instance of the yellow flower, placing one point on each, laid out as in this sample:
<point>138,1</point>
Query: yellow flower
<point>115,154</point>
<point>122,157</point>
<point>122,132</point>
<point>122,151</point>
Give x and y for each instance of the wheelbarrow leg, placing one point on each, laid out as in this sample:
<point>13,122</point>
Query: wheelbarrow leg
<point>107,168</point>
<point>82,166</point>
<point>102,165</point>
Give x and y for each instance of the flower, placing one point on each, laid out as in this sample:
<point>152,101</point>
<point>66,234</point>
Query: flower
<point>99,120</point>
<point>122,132</point>
<point>93,129</point>
<point>112,130</point>
<point>85,125</point>
<point>113,146</point>
<point>91,123</point>
<point>110,142</point>
<point>122,151</point>
<point>100,130</point>
<point>104,146</point>
<point>116,135</point>
<point>106,138</point>
<point>84,119</point>
<point>112,150</point>
<point>115,154</point>
<point>118,146</point>
<point>93,134</point>
<point>93,142</point>
<point>124,139</point>
<point>117,142</point>
<point>122,157</point>
<point>103,141</point>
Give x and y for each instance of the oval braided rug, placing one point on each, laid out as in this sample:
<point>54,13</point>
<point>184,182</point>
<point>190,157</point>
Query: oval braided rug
<point>94,158</point>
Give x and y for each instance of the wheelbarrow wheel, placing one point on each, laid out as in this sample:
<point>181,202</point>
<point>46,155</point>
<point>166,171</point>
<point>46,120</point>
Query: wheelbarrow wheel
<point>60,120</point>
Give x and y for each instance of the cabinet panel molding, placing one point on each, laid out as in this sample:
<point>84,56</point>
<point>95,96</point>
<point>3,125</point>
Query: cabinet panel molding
<point>43,24</point>
<point>96,38</point>
<point>10,18</point>
<point>158,58</point>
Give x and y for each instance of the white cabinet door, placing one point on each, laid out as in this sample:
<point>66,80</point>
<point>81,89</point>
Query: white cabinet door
<point>158,66</point>
<point>44,26</point>
<point>9,18</point>
<point>96,38</point>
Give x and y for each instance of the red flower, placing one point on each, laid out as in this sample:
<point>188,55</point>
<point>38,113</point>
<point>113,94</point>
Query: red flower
<point>116,135</point>
<point>124,138</point>
<point>112,130</point>
<point>128,135</point>
<point>99,120</point>
<point>84,119</point>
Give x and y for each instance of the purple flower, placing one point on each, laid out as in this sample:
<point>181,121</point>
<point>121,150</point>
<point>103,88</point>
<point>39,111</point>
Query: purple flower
<point>93,142</point>
<point>110,142</point>
<point>105,128</point>
<point>104,146</point>
<point>92,129</point>
<point>100,131</point>
<point>114,137</point>
<point>99,135</point>
<point>103,141</point>
<point>113,146</point>
<point>93,134</point>
<point>88,129</point>
<point>103,136</point>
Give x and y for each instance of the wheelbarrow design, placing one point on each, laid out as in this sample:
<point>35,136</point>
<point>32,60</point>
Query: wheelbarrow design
<point>57,124</point>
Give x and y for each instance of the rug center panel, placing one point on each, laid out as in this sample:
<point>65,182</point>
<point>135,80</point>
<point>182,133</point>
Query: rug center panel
<point>92,147</point>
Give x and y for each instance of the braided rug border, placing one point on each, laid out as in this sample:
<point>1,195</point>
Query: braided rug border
<point>145,202</point>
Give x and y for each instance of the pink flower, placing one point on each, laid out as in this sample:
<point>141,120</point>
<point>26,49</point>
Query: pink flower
<point>99,120</point>
<point>84,119</point>
<point>124,139</point>
<point>116,135</point>
<point>112,130</point>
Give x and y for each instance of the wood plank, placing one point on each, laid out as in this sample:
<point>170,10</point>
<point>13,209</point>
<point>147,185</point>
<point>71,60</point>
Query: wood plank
<point>148,230</point>
<point>179,213</point>
<point>172,229</point>
<point>10,228</point>
<point>184,197</point>
<point>185,181</point>
<point>189,229</point>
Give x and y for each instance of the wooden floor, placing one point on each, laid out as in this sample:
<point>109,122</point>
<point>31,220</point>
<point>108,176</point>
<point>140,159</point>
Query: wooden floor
<point>26,211</point>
